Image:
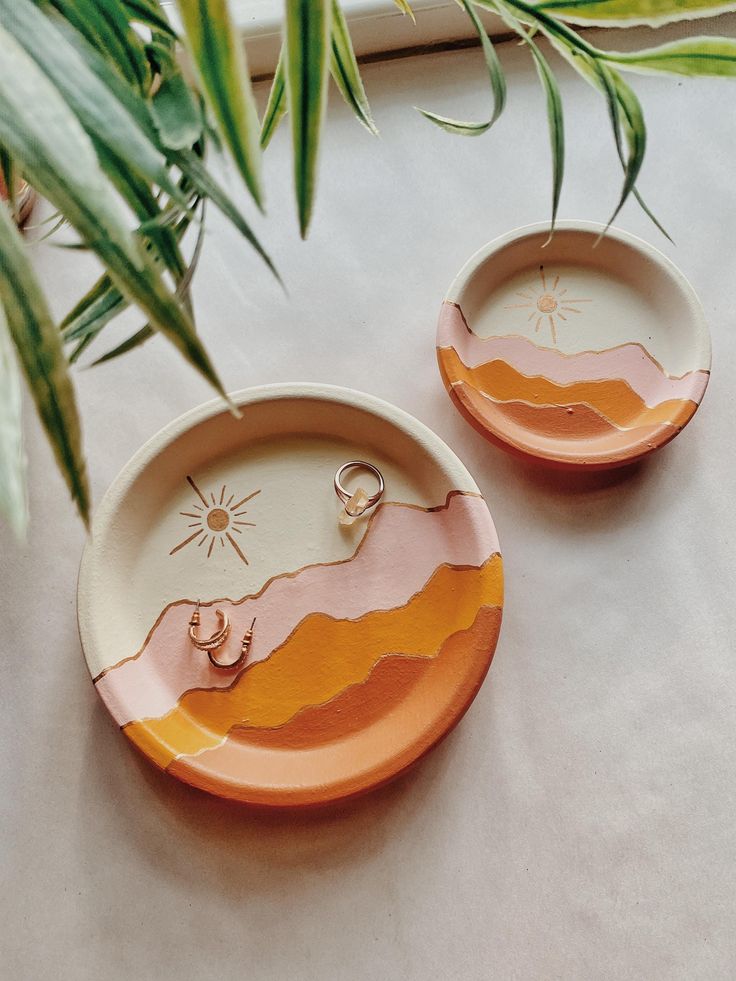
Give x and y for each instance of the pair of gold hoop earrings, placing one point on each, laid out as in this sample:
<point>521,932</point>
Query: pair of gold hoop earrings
<point>218,638</point>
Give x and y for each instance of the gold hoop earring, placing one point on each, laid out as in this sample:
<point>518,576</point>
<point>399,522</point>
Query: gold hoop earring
<point>244,648</point>
<point>217,639</point>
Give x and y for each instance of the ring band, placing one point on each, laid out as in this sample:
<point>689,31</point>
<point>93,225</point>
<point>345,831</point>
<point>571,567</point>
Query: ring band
<point>345,495</point>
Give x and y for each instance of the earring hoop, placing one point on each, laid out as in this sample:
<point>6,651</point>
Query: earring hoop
<point>358,502</point>
<point>244,648</point>
<point>217,639</point>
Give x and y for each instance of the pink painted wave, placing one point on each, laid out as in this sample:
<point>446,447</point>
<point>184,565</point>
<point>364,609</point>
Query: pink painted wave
<point>401,549</point>
<point>629,362</point>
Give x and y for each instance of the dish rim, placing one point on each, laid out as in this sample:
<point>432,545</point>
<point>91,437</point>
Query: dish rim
<point>443,456</point>
<point>702,347</point>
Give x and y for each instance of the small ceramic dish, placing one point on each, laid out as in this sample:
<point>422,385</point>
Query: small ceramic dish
<point>576,352</point>
<point>370,639</point>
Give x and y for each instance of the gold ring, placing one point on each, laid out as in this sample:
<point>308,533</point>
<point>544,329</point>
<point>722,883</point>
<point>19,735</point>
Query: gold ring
<point>353,508</point>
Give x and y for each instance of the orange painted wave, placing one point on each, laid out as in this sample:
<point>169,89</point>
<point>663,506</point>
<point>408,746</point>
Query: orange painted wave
<point>358,738</point>
<point>320,659</point>
<point>630,362</point>
<point>402,546</point>
<point>614,399</point>
<point>547,429</point>
<point>555,421</point>
<point>354,709</point>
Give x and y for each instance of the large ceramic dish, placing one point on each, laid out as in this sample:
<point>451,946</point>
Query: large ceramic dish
<point>370,641</point>
<point>577,353</point>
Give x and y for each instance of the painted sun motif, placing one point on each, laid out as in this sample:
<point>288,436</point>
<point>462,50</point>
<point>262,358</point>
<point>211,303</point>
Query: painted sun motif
<point>216,520</point>
<point>550,303</point>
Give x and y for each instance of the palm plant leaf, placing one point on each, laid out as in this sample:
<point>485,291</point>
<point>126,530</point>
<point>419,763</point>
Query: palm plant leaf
<point>404,7</point>
<point>8,175</point>
<point>188,161</point>
<point>148,12</point>
<point>143,334</point>
<point>44,136</point>
<point>498,85</point>
<point>38,344</point>
<point>555,121</point>
<point>13,499</point>
<point>517,15</point>
<point>92,296</point>
<point>623,103</point>
<point>101,115</point>
<point>205,185</point>
<point>106,28</point>
<point>345,71</point>
<point>588,61</point>
<point>103,302</point>
<point>615,111</point>
<point>146,332</point>
<point>714,56</point>
<point>175,112</point>
<point>219,57</point>
<point>276,105</point>
<point>154,227</point>
<point>627,13</point>
<point>522,16</point>
<point>97,314</point>
<point>307,36</point>
<point>105,69</point>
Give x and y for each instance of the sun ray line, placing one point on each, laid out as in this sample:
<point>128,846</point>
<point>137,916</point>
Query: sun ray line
<point>233,508</point>
<point>569,299</point>
<point>222,494</point>
<point>249,524</point>
<point>552,328</point>
<point>562,292</point>
<point>227,503</point>
<point>554,285</point>
<point>572,309</point>
<point>239,513</point>
<point>222,541</point>
<point>518,306</point>
<point>203,539</point>
<point>212,545</point>
<point>188,514</point>
<point>238,531</point>
<point>539,321</point>
<point>195,524</point>
<point>531,316</point>
<point>544,281</point>
<point>527,296</point>
<point>235,545</point>
<point>197,491</point>
<point>185,542</point>
<point>213,498</point>
<point>561,316</point>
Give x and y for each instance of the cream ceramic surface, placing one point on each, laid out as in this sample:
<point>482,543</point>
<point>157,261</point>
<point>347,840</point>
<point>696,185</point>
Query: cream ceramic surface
<point>619,290</point>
